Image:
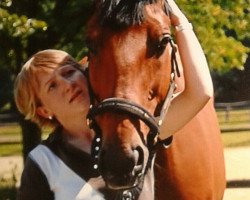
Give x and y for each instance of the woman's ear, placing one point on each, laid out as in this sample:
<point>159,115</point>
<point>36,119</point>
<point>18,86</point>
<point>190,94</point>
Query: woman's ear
<point>43,112</point>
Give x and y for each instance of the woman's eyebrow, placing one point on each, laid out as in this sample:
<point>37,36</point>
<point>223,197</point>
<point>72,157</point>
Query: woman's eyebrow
<point>48,81</point>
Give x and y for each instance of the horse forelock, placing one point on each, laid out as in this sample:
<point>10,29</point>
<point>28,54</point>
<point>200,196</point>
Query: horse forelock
<point>117,14</point>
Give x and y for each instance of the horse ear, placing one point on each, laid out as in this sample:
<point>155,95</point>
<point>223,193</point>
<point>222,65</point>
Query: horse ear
<point>83,61</point>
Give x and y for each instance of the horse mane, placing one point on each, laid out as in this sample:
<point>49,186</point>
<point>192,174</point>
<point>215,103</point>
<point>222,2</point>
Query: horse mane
<point>117,14</point>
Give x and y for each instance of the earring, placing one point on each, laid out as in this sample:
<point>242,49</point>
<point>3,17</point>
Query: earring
<point>50,117</point>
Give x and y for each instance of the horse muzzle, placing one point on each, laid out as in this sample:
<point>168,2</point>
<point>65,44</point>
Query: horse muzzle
<point>122,169</point>
<point>124,152</point>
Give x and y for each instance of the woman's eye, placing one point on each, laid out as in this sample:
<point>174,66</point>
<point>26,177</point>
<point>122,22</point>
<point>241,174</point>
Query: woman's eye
<point>52,86</point>
<point>69,73</point>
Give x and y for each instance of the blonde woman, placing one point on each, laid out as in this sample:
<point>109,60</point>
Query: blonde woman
<point>51,89</point>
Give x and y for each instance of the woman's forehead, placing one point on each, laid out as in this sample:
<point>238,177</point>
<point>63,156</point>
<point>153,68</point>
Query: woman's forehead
<point>42,74</point>
<point>49,72</point>
<point>52,65</point>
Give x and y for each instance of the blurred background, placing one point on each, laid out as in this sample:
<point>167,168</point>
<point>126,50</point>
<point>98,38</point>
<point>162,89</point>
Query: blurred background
<point>222,26</point>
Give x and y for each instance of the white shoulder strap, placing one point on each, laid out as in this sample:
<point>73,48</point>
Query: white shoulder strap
<point>64,182</point>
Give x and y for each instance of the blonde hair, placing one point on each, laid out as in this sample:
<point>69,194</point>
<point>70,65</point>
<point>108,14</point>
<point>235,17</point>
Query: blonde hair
<point>27,84</point>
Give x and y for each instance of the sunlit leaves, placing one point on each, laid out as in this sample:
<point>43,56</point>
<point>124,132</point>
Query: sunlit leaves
<point>14,33</point>
<point>6,3</point>
<point>19,26</point>
<point>221,25</point>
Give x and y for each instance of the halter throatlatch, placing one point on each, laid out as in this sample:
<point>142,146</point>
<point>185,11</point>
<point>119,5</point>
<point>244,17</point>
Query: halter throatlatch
<point>125,106</point>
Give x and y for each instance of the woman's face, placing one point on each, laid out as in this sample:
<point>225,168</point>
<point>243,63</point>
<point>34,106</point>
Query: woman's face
<point>63,93</point>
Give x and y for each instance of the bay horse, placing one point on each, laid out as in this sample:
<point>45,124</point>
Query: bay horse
<point>131,59</point>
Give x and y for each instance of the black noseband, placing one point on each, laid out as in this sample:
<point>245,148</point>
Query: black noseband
<point>124,106</point>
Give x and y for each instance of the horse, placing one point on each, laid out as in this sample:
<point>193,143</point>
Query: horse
<point>131,70</point>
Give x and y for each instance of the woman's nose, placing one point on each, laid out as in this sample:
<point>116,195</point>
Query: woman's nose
<point>68,84</point>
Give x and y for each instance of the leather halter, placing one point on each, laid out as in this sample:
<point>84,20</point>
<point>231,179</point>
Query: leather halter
<point>125,106</point>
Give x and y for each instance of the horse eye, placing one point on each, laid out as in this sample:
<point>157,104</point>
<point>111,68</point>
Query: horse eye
<point>92,47</point>
<point>92,50</point>
<point>163,41</point>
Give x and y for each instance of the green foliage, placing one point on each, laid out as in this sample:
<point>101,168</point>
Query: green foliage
<point>27,26</point>
<point>221,25</point>
<point>10,149</point>
<point>8,185</point>
<point>65,22</point>
<point>19,26</point>
<point>236,139</point>
<point>7,189</point>
<point>14,33</point>
<point>10,130</point>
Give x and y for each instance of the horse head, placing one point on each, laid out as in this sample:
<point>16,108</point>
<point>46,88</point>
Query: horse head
<point>130,52</point>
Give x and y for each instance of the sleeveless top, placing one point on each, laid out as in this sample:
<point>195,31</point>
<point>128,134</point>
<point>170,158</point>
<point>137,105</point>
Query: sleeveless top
<point>56,170</point>
<point>64,182</point>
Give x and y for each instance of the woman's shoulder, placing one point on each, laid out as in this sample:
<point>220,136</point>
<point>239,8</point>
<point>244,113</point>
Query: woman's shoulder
<point>45,155</point>
<point>34,188</point>
<point>41,153</point>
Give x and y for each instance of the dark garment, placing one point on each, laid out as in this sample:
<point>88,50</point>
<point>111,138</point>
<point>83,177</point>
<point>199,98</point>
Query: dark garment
<point>34,184</point>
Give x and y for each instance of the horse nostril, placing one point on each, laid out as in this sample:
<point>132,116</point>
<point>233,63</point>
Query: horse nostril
<point>139,158</point>
<point>140,155</point>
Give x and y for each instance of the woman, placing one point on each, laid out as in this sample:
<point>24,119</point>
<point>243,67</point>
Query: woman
<point>52,90</point>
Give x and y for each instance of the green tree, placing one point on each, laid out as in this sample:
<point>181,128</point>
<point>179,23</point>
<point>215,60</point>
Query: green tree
<point>65,24</point>
<point>221,26</point>
<point>14,33</point>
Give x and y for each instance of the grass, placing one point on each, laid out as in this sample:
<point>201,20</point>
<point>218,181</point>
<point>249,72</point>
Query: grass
<point>10,139</point>
<point>229,139</point>
<point>235,120</point>
<point>15,130</point>
<point>10,130</point>
<point>234,117</point>
<point>236,139</point>
<point>8,187</point>
<point>10,149</point>
<point>7,190</point>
